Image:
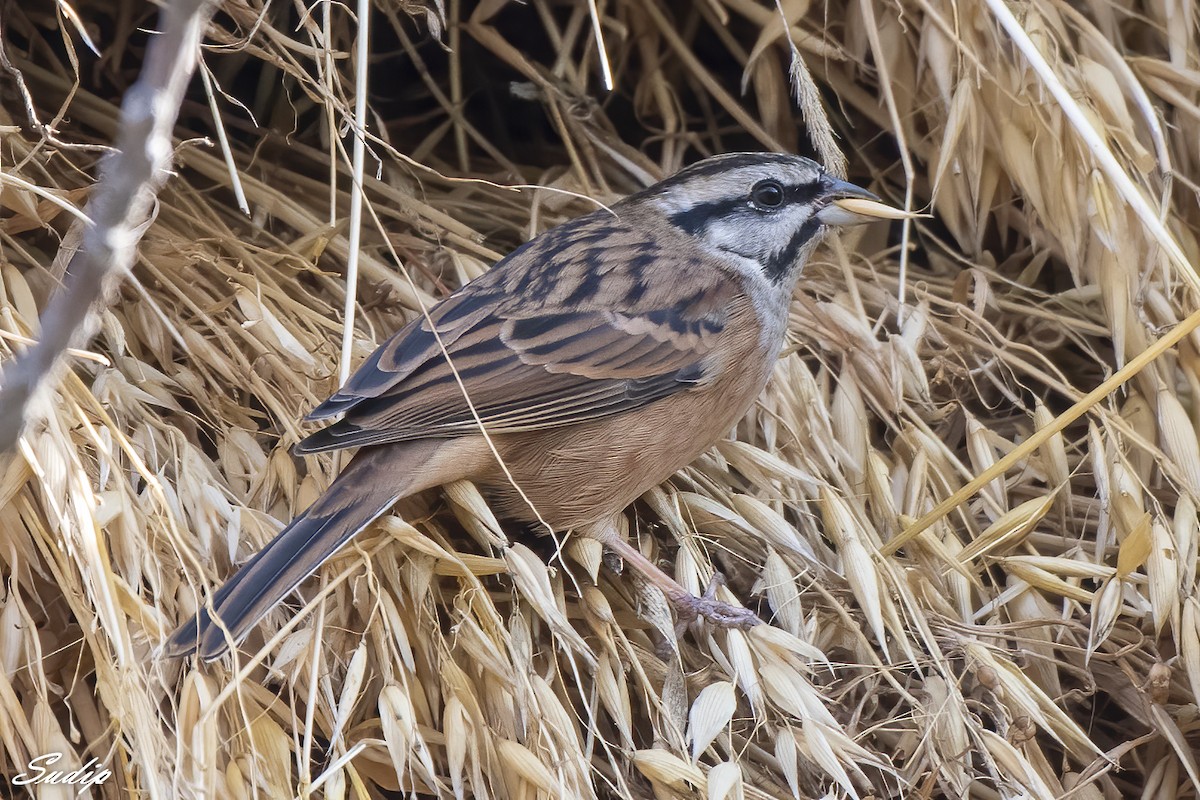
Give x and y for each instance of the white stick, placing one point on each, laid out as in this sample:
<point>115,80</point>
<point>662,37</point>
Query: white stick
<point>356,195</point>
<point>1095,143</point>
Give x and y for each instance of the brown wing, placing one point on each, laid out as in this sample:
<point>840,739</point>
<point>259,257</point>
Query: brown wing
<point>560,332</point>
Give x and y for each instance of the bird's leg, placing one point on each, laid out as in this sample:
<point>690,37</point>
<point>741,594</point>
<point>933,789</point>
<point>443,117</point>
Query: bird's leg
<point>687,605</point>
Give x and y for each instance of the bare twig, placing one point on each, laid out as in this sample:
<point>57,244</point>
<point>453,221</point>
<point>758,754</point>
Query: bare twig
<point>120,208</point>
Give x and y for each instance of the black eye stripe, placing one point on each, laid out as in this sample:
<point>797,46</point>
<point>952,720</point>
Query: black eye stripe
<point>804,192</point>
<point>695,219</point>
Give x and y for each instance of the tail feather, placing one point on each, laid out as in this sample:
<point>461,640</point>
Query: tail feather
<point>367,488</point>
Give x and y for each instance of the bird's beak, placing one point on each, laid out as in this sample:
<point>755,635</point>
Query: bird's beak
<point>849,204</point>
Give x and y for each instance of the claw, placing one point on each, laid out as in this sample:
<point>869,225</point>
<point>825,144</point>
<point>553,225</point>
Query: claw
<point>718,612</point>
<point>687,605</point>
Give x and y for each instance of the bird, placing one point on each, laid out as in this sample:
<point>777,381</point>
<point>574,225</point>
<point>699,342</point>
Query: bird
<point>580,371</point>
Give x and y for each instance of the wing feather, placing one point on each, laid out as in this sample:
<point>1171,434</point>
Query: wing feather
<point>549,337</point>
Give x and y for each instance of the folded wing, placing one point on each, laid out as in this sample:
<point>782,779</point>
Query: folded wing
<point>533,363</point>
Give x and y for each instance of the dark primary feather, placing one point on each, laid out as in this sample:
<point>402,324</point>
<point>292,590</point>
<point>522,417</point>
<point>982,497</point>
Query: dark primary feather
<point>356,498</point>
<point>536,341</point>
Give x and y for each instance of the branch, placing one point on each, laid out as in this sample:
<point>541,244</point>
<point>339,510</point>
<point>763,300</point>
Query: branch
<point>120,209</point>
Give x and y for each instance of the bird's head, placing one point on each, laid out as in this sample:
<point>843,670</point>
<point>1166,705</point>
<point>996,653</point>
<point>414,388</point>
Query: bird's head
<point>762,212</point>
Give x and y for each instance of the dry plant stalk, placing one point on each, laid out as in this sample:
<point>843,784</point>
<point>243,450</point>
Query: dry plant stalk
<point>1040,639</point>
<point>118,212</point>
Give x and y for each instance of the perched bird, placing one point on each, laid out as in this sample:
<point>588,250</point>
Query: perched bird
<point>600,357</point>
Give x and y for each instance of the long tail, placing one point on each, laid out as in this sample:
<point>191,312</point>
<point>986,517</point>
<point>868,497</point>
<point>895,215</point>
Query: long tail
<point>366,488</point>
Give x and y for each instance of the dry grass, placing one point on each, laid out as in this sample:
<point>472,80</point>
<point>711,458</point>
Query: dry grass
<point>1041,639</point>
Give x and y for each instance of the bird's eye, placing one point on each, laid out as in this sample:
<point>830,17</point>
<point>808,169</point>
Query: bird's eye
<point>767,194</point>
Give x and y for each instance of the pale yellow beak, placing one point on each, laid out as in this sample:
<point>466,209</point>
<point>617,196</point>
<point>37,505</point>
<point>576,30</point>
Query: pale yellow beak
<point>850,204</point>
<point>863,207</point>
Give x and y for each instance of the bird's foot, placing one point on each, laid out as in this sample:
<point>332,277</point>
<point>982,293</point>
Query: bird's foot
<point>717,612</point>
<point>687,605</point>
